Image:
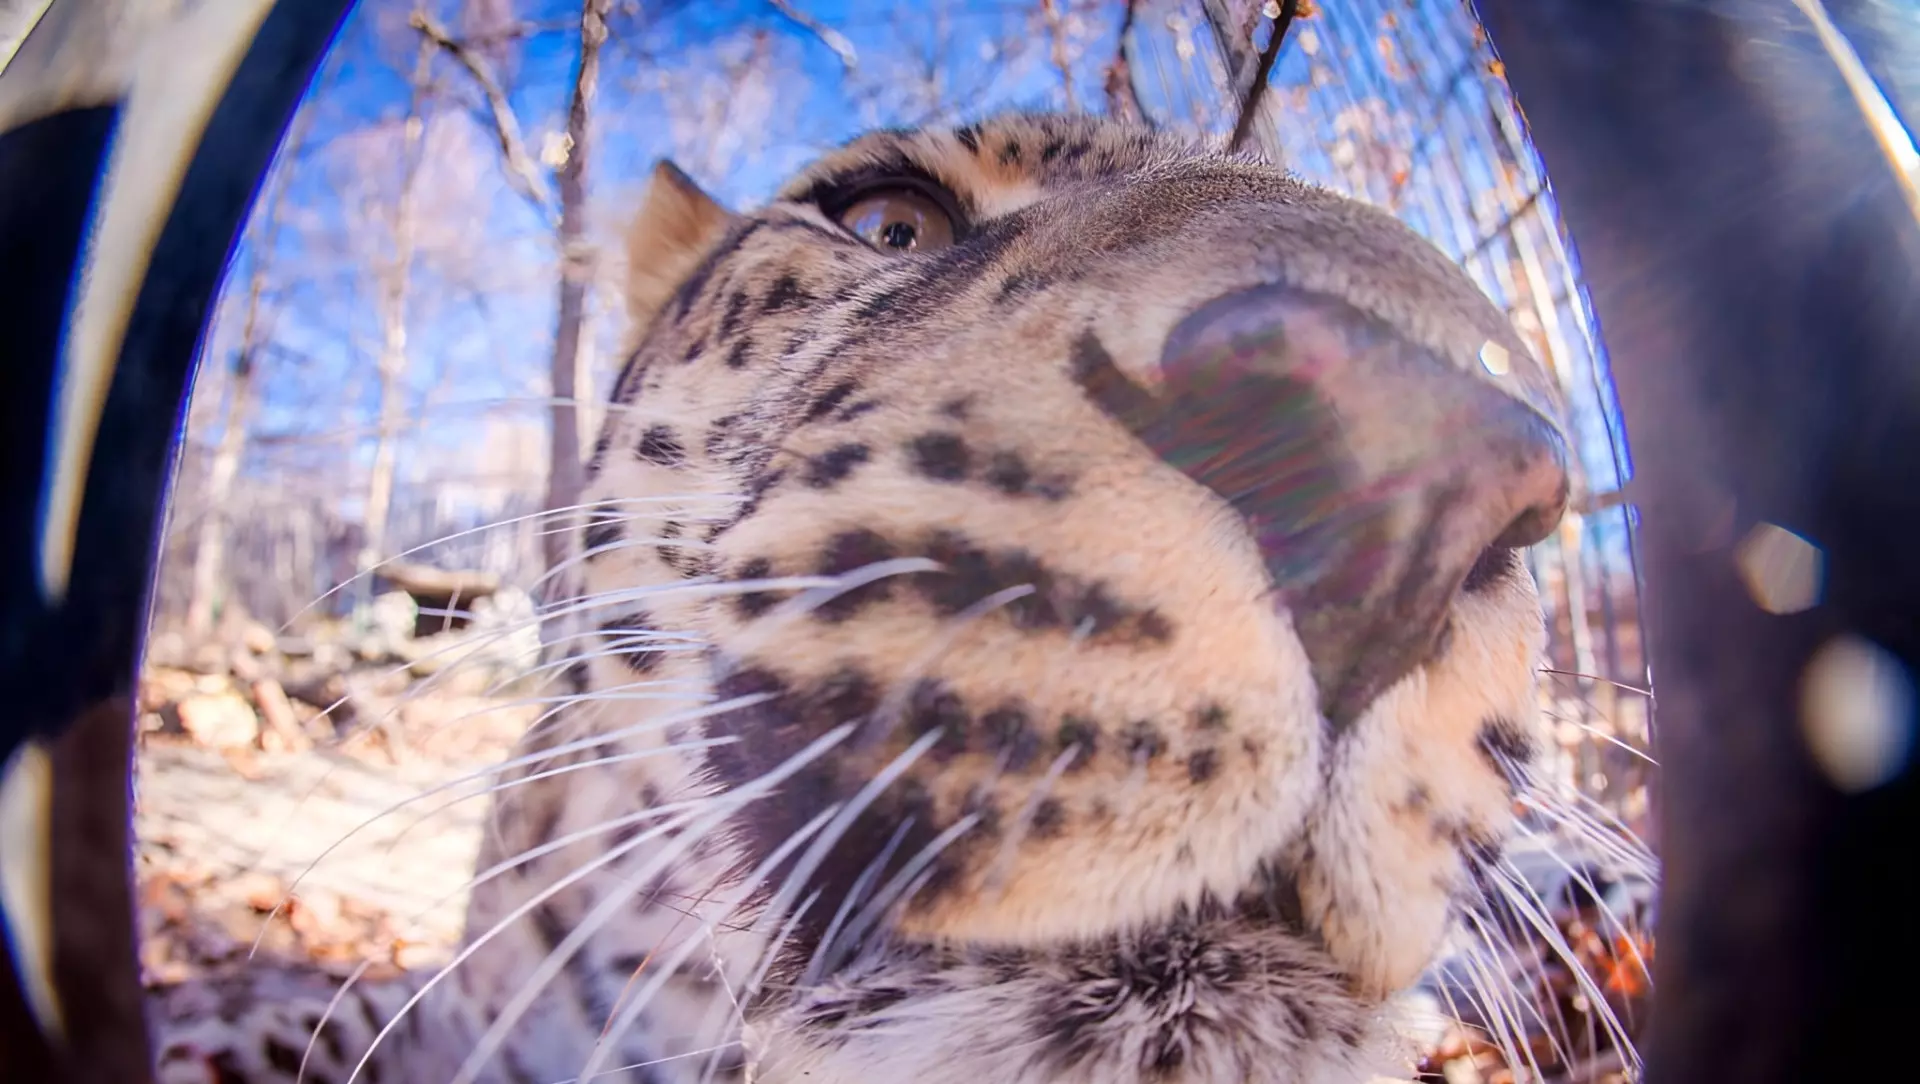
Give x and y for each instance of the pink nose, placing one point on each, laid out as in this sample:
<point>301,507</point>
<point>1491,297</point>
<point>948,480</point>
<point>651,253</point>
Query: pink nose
<point>1375,474</point>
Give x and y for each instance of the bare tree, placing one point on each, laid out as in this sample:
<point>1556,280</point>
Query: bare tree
<point>1055,18</point>
<point>564,473</point>
<point>1247,69</point>
<point>396,279</point>
<point>569,217</point>
<point>210,544</point>
<point>1123,98</point>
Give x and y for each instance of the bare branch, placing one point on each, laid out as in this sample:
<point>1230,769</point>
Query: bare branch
<point>1057,35</point>
<point>523,172</point>
<point>1123,97</point>
<point>829,37</point>
<point>1250,102</point>
<point>565,471</point>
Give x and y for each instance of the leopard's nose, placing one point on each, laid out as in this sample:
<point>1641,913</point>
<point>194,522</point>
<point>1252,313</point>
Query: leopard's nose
<point>1375,474</point>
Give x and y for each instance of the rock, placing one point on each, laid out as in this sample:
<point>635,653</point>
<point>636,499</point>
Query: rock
<point>161,685</point>
<point>219,720</point>
<point>244,666</point>
<point>393,614</point>
<point>208,659</point>
<point>257,638</point>
<point>282,733</point>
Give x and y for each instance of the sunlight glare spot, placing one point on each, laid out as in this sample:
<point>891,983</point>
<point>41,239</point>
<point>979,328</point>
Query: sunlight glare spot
<point>1783,571</point>
<point>1857,713</point>
<point>1495,359</point>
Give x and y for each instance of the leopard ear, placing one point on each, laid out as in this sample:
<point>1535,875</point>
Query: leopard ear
<point>677,226</point>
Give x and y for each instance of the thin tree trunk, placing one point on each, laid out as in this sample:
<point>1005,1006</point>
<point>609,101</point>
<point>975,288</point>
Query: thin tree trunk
<point>1057,38</point>
<point>1123,97</point>
<point>393,318</point>
<point>210,547</point>
<point>564,472</point>
<point>1233,36</point>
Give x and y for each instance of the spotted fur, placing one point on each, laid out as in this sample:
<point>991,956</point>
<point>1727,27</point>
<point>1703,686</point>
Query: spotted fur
<point>938,519</point>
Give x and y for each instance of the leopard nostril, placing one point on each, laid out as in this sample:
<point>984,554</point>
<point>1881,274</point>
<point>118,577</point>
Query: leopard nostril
<point>1374,474</point>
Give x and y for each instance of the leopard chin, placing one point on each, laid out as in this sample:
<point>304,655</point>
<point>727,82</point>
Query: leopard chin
<point>1052,611</point>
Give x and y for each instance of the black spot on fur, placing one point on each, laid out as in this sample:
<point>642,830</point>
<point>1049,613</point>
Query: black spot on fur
<point>1009,735</point>
<point>1110,389</point>
<point>605,527</point>
<point>633,637</point>
<point>1049,817</point>
<point>1008,473</point>
<point>1507,747</point>
<point>740,354</point>
<point>846,696</point>
<point>694,350</point>
<point>549,925</point>
<point>1051,149</point>
<point>958,408</point>
<point>283,1058</point>
<point>980,804</point>
<point>838,1009</point>
<point>720,433</point>
<point>787,293</point>
<point>943,457</point>
<point>1144,742</point>
<point>1010,152</point>
<point>226,1068</point>
<point>850,551</point>
<point>1054,488</point>
<point>696,283</point>
<point>1079,735</point>
<point>932,706</point>
<point>755,603</point>
<point>771,733</point>
<point>627,386</point>
<point>830,400</point>
<point>659,445</point>
<point>831,468</point>
<point>972,573</point>
<point>1493,566</point>
<point>731,316</point>
<point>1154,627</point>
<point>599,457</point>
<point>969,138</point>
<point>1020,285</point>
<point>854,410</point>
<point>1202,765</point>
<point>1210,717</point>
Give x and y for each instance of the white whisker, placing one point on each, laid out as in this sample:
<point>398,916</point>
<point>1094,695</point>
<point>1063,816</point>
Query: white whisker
<point>508,765</point>
<point>326,1014</point>
<point>854,895</point>
<point>1528,910</point>
<point>482,528</point>
<point>738,895</point>
<point>897,885</point>
<point>887,715</point>
<point>728,803</point>
<point>810,862</point>
<point>720,1049</point>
